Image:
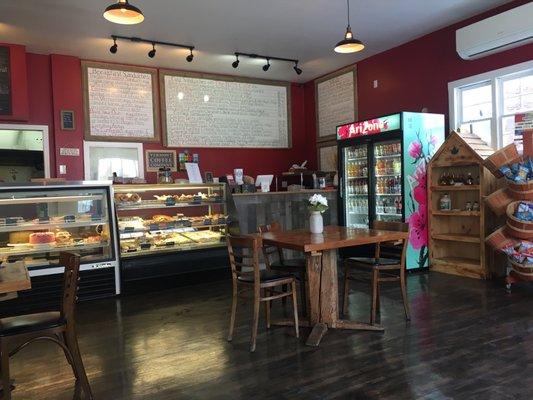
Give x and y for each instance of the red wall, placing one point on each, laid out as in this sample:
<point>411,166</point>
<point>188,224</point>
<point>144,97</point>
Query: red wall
<point>416,75</point>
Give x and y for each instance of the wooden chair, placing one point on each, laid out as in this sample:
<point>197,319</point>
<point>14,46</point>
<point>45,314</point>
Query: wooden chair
<point>275,261</point>
<point>381,269</point>
<point>244,253</point>
<point>58,327</point>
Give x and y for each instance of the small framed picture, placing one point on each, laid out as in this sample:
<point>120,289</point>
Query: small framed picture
<point>208,177</point>
<point>67,120</point>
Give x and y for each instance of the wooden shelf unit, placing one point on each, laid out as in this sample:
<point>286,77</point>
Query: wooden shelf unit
<point>457,237</point>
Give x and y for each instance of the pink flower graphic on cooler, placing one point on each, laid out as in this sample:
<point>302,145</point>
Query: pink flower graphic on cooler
<point>420,176</point>
<point>433,140</point>
<point>415,149</point>
<point>418,229</point>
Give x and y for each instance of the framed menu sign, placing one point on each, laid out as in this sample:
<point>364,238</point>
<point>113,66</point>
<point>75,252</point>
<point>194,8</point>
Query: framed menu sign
<point>336,99</point>
<point>156,159</point>
<point>5,82</point>
<point>120,103</point>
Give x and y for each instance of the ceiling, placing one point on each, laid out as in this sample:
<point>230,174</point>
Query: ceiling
<point>302,29</point>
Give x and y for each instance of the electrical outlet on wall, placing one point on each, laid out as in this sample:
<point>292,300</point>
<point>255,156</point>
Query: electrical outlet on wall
<point>62,169</point>
<point>375,83</point>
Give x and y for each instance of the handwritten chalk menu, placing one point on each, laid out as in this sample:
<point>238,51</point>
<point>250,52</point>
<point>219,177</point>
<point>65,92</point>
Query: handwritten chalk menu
<point>215,111</point>
<point>120,103</point>
<point>5,82</point>
<point>335,102</point>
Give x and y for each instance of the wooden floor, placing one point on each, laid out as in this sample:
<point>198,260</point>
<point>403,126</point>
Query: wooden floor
<point>468,339</point>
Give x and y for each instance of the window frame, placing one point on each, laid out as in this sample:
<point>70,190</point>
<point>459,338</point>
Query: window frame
<point>87,145</point>
<point>496,79</point>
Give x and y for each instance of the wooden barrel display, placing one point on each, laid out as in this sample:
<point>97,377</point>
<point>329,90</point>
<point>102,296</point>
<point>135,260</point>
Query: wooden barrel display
<point>517,227</point>
<point>520,191</point>
<point>507,155</point>
<point>500,238</point>
<point>498,201</point>
<point>524,271</point>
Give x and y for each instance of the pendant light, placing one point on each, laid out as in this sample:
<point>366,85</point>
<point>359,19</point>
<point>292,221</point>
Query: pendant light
<point>123,13</point>
<point>349,44</point>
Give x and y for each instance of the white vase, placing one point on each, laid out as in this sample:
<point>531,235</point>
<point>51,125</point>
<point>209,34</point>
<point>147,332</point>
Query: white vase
<point>316,223</point>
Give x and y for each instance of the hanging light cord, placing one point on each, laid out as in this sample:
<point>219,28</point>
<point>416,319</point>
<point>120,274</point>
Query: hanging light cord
<point>348,3</point>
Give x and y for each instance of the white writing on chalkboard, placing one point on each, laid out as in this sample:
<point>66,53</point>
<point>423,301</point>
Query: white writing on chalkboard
<point>217,113</point>
<point>336,103</point>
<point>120,103</point>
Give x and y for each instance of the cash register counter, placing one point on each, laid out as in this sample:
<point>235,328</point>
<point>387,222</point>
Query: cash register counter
<point>289,208</point>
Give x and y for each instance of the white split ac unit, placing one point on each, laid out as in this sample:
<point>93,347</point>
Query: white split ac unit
<point>501,32</point>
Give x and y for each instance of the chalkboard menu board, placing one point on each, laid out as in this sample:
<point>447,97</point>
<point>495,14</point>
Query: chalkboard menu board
<point>201,110</point>
<point>336,96</point>
<point>5,82</point>
<point>120,103</point>
<point>156,159</point>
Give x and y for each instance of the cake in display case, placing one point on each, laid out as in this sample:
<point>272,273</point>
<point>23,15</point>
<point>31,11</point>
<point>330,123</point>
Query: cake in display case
<point>163,218</point>
<point>38,221</point>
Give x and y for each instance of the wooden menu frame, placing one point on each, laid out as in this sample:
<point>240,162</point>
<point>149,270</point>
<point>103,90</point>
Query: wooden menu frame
<point>322,145</point>
<point>325,78</point>
<point>216,77</point>
<point>118,67</point>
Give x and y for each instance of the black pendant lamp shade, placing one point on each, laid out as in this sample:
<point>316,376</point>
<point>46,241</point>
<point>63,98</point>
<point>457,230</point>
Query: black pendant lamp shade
<point>349,44</point>
<point>123,13</point>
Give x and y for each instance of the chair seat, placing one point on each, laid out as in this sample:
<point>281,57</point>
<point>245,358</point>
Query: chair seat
<point>265,276</point>
<point>30,323</point>
<point>373,262</point>
<point>292,264</point>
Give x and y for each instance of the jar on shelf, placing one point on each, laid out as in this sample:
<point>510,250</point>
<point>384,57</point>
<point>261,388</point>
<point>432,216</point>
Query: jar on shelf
<point>445,203</point>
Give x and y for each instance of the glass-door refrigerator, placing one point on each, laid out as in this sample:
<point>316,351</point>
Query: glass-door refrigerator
<point>383,174</point>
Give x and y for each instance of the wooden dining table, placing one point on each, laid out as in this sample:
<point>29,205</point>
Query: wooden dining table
<point>321,255</point>
<point>14,277</point>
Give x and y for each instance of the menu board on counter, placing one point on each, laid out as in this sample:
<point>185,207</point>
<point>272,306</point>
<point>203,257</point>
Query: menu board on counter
<point>335,102</point>
<point>5,82</point>
<point>201,110</point>
<point>156,159</point>
<point>120,103</point>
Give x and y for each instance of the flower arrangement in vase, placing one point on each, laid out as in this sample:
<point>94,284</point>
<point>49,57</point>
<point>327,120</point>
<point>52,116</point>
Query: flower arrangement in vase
<point>316,204</point>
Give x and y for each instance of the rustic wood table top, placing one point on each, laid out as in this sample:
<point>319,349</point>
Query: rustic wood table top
<point>333,237</point>
<point>14,277</point>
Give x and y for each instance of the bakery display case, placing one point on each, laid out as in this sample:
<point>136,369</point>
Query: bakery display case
<point>38,221</point>
<point>162,227</point>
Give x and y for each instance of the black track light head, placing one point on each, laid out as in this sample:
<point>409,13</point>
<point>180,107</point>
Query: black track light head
<point>151,53</point>
<point>235,63</point>
<point>190,57</point>
<point>296,69</point>
<point>113,49</point>
<point>267,65</point>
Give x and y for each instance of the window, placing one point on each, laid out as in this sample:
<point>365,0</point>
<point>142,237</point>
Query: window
<point>102,159</point>
<point>486,104</point>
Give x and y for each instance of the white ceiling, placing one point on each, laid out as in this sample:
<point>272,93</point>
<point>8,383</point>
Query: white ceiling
<point>302,29</point>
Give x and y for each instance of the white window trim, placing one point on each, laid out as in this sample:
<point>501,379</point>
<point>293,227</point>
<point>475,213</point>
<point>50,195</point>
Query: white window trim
<point>46,142</point>
<point>494,78</point>
<point>123,145</point>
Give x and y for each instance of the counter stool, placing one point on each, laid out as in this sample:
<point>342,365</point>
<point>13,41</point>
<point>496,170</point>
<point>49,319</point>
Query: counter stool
<point>381,269</point>
<point>275,261</point>
<point>244,253</point>
<point>58,327</point>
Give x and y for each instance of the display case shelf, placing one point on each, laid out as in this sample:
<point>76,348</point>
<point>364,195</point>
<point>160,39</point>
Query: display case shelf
<point>454,188</point>
<point>457,237</point>
<point>48,226</point>
<point>30,250</point>
<point>456,213</point>
<point>173,249</point>
<point>159,205</point>
<point>50,199</point>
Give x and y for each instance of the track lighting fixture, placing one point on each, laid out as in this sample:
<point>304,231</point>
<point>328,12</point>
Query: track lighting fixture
<point>267,65</point>
<point>151,53</point>
<point>235,63</point>
<point>113,49</point>
<point>123,13</point>
<point>349,44</point>
<point>296,69</point>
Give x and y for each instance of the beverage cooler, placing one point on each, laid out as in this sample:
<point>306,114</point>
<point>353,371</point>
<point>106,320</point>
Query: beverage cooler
<point>382,170</point>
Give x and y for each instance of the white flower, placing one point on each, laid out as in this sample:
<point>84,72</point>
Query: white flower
<point>317,199</point>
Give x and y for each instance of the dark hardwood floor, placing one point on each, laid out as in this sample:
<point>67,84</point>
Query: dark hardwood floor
<point>468,339</point>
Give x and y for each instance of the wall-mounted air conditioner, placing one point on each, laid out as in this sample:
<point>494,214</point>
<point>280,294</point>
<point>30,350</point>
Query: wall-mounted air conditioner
<point>504,31</point>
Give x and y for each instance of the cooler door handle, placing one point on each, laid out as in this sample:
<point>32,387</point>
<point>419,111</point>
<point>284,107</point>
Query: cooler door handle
<point>341,187</point>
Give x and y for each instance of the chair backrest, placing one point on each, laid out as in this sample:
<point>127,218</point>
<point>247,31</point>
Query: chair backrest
<point>244,253</point>
<point>270,251</point>
<point>71,263</point>
<point>396,227</point>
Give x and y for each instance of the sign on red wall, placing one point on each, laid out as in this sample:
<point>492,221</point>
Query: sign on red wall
<point>369,127</point>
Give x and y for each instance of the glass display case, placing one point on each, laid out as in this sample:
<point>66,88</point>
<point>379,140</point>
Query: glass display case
<point>168,218</point>
<point>38,221</point>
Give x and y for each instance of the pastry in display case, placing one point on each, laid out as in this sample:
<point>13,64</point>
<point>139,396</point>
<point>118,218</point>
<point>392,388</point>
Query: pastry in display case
<point>41,220</point>
<point>163,218</point>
